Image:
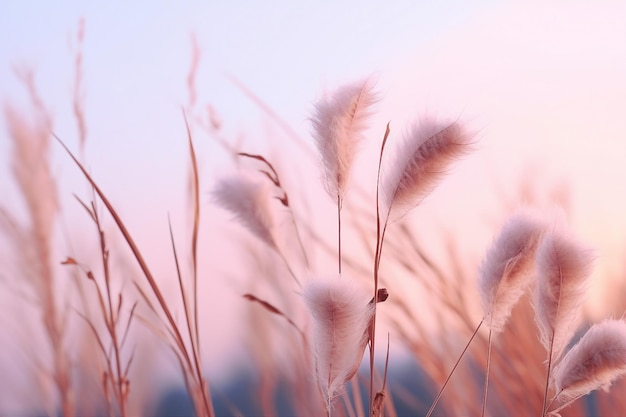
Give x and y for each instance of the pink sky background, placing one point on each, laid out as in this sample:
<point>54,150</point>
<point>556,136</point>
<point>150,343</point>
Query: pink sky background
<point>543,85</point>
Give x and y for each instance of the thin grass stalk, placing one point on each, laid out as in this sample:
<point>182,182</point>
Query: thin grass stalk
<point>377,254</point>
<point>111,321</point>
<point>487,373</point>
<point>193,333</point>
<point>547,386</point>
<point>188,318</point>
<point>196,221</point>
<point>379,399</point>
<point>456,364</point>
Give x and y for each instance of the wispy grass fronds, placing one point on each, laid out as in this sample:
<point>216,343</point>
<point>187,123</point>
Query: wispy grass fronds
<point>30,139</point>
<point>341,317</point>
<point>508,268</point>
<point>596,361</point>
<point>31,170</point>
<point>505,274</point>
<point>249,201</point>
<point>563,266</point>
<point>272,175</point>
<point>339,122</point>
<point>420,162</point>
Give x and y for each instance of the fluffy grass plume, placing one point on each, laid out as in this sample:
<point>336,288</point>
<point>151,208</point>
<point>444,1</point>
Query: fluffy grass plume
<point>596,361</point>
<point>420,162</point>
<point>249,201</point>
<point>341,315</point>
<point>508,268</point>
<point>338,122</point>
<point>563,267</point>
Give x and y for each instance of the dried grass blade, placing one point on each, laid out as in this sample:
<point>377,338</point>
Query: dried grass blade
<point>196,225</point>
<point>128,323</point>
<point>194,348</point>
<point>87,209</point>
<point>130,361</point>
<point>274,175</point>
<point>95,333</point>
<point>274,310</point>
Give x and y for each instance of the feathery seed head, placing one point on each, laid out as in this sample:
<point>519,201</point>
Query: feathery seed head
<point>507,268</point>
<point>341,317</point>
<point>563,266</point>
<point>339,122</point>
<point>249,201</point>
<point>598,359</point>
<point>421,161</point>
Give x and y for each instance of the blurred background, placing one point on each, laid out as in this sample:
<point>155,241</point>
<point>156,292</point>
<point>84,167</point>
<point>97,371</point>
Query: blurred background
<point>541,85</point>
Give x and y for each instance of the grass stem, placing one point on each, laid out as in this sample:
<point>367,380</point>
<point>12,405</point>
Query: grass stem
<point>432,407</point>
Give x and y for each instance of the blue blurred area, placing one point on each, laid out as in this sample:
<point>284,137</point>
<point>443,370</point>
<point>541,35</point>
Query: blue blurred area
<point>241,396</point>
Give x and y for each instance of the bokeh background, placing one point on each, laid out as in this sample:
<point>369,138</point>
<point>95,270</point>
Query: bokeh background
<point>541,84</point>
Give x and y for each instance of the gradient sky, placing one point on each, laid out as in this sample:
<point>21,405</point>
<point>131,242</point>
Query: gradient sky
<point>543,84</point>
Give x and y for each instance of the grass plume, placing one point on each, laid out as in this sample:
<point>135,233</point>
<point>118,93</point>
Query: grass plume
<point>595,362</point>
<point>341,316</point>
<point>505,275</point>
<point>507,269</point>
<point>339,122</point>
<point>420,162</point>
<point>563,267</point>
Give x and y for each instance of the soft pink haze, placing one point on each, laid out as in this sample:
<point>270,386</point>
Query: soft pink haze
<point>541,86</point>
